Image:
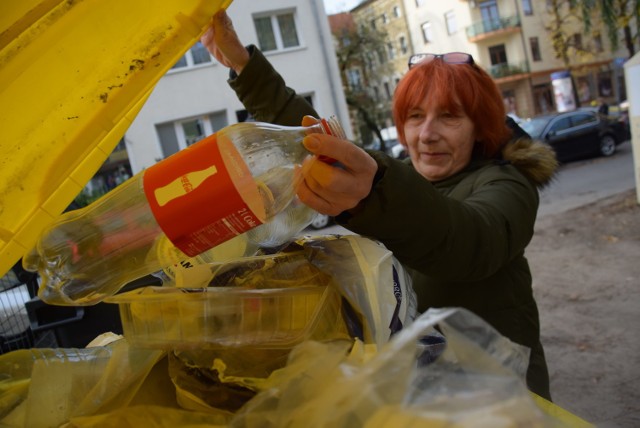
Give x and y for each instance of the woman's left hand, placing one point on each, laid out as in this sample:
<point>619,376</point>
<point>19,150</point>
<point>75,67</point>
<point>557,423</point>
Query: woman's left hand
<point>331,189</point>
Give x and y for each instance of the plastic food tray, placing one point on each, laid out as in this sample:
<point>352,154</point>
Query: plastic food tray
<point>179,318</point>
<point>74,76</point>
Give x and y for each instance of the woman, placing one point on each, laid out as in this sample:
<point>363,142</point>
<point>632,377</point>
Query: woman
<point>458,213</point>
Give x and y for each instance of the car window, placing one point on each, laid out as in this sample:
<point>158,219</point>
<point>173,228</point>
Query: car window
<point>561,124</point>
<point>582,118</point>
<point>535,126</point>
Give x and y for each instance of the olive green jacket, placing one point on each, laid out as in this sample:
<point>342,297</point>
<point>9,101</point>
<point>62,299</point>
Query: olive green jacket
<point>463,238</point>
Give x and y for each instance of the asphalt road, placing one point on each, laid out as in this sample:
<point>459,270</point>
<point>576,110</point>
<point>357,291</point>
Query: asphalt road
<point>582,182</point>
<point>577,183</point>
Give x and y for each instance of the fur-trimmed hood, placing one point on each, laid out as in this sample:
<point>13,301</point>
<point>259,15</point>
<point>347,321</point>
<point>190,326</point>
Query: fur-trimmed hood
<point>534,159</point>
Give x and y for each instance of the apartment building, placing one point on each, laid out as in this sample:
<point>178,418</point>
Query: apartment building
<point>194,100</point>
<point>508,38</point>
<point>388,65</point>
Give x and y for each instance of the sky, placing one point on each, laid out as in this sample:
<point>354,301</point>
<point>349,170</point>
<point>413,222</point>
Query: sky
<point>337,6</point>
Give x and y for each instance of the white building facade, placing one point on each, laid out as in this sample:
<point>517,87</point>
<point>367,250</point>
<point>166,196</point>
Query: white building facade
<point>194,100</point>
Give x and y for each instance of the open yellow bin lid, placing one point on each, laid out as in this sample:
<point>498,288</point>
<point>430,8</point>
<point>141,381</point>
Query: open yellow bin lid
<point>73,76</point>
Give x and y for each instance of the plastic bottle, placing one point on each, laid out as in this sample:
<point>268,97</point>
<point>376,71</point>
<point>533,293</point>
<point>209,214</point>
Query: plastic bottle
<point>232,189</point>
<point>197,271</point>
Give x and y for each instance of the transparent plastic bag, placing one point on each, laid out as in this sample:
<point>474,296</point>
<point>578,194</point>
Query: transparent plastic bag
<point>476,380</point>
<point>46,387</point>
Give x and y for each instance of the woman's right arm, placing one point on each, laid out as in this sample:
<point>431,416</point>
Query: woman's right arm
<point>259,87</point>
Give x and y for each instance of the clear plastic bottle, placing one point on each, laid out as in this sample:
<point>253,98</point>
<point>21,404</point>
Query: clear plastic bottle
<point>232,190</point>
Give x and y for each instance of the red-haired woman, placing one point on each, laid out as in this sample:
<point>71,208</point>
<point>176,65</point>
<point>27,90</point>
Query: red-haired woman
<point>459,212</point>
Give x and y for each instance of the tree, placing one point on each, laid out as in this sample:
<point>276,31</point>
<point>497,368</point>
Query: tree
<point>615,14</point>
<point>563,17</point>
<point>356,50</point>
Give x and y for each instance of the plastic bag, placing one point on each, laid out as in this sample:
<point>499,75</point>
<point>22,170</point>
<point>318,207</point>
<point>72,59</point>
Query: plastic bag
<point>46,387</point>
<point>371,279</point>
<point>476,381</point>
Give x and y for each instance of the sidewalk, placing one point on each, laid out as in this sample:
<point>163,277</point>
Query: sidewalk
<point>586,279</point>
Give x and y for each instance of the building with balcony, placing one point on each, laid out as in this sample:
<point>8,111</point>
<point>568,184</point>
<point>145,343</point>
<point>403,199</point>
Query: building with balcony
<point>510,40</point>
<point>385,67</point>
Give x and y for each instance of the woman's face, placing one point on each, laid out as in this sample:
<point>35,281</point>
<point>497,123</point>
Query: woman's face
<point>439,142</point>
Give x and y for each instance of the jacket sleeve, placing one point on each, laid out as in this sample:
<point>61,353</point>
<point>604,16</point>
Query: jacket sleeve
<point>450,237</point>
<point>263,92</point>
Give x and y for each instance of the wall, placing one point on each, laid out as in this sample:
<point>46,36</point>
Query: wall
<point>632,77</point>
<point>311,69</point>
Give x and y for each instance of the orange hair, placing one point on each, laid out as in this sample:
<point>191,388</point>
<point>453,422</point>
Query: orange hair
<point>455,88</point>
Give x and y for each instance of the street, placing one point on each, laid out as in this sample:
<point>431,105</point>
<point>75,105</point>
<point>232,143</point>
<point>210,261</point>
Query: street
<point>586,181</point>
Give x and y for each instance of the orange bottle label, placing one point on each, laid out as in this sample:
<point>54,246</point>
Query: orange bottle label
<point>203,196</point>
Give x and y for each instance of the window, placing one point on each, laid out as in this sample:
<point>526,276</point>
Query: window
<point>200,54</point>
<point>582,119</point>
<point>498,55</point>
<point>192,131</point>
<point>381,57</point>
<point>392,50</point>
<point>384,18</point>
<point>373,24</point>
<point>427,32</point>
<point>490,15</point>
<point>597,42</point>
<point>577,41</point>
<point>175,136</point>
<point>387,90</point>
<point>276,32</point>
<point>376,93</point>
<point>354,79</point>
<point>197,55</point>
<point>526,7</point>
<point>560,125</point>
<point>396,12</point>
<point>452,24</point>
<point>403,45</point>
<point>535,48</point>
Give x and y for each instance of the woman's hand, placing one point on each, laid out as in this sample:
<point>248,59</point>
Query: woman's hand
<point>223,43</point>
<point>331,189</point>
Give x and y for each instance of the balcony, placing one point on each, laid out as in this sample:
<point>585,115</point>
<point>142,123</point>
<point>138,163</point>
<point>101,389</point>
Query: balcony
<point>507,70</point>
<point>492,27</point>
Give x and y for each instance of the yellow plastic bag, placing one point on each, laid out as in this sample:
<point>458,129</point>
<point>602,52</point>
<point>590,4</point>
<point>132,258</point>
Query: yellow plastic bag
<point>46,387</point>
<point>477,380</point>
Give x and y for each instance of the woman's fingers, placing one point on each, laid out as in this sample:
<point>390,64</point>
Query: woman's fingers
<point>332,189</point>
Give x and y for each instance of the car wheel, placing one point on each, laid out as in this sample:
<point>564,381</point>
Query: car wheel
<point>320,221</point>
<point>607,145</point>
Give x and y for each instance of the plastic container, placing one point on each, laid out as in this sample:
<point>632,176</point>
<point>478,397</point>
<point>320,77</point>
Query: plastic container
<point>179,318</point>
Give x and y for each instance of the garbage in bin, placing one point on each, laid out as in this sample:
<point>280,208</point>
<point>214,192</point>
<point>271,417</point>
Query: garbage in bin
<point>476,381</point>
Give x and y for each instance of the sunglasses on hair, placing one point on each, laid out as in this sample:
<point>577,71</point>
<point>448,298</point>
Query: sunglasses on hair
<point>449,58</point>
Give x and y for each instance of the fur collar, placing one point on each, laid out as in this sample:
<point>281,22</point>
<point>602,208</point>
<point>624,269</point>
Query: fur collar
<point>534,159</point>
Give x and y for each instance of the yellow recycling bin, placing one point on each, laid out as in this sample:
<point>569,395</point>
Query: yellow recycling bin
<point>74,75</point>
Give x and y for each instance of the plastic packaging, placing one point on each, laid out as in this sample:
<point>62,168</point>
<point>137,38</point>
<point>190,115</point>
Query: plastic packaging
<point>271,302</point>
<point>201,197</point>
<point>45,387</point>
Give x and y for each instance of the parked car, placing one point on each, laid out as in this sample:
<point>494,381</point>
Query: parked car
<point>320,221</point>
<point>399,151</point>
<point>390,137</point>
<point>577,134</point>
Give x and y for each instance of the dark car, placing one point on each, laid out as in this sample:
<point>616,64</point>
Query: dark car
<point>577,134</point>
<point>320,221</point>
